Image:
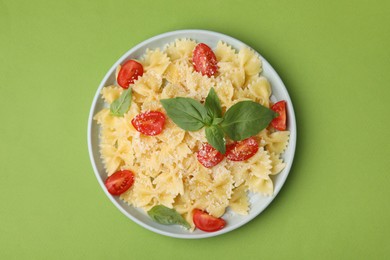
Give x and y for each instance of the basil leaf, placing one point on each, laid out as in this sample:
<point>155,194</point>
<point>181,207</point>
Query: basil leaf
<point>216,138</point>
<point>213,105</point>
<point>217,121</point>
<point>167,216</point>
<point>122,104</point>
<point>187,113</point>
<point>245,119</point>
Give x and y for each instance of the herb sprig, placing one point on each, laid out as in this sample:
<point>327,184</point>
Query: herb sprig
<point>241,121</point>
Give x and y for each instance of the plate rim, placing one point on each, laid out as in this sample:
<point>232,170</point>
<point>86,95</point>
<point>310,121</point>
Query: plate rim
<point>291,121</point>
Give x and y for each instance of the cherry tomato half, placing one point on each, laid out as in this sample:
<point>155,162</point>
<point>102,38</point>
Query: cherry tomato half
<point>129,72</point>
<point>149,123</point>
<point>204,60</point>
<point>279,122</point>
<point>242,150</point>
<point>208,156</point>
<point>206,222</point>
<point>119,182</point>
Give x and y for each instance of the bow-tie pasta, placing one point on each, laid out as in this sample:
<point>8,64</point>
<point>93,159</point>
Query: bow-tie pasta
<point>165,166</point>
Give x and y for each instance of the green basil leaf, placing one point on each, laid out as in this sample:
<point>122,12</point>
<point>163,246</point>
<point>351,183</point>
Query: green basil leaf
<point>213,105</point>
<point>187,113</point>
<point>217,120</point>
<point>245,119</point>
<point>216,138</point>
<point>122,104</point>
<point>167,216</point>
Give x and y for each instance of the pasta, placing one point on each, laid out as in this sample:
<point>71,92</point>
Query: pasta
<point>165,166</point>
<point>155,60</point>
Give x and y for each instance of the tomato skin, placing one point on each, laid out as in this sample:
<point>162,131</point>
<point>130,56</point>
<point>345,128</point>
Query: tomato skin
<point>129,72</point>
<point>204,60</point>
<point>208,156</point>
<point>206,222</point>
<point>279,122</point>
<point>119,182</point>
<point>149,123</point>
<point>242,150</point>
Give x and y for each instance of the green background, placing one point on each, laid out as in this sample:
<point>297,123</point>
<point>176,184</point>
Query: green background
<point>334,58</point>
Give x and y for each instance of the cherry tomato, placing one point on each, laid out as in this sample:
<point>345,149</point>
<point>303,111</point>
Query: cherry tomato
<point>208,156</point>
<point>149,123</point>
<point>129,72</point>
<point>119,182</point>
<point>206,222</point>
<point>204,60</point>
<point>242,150</point>
<point>279,122</point>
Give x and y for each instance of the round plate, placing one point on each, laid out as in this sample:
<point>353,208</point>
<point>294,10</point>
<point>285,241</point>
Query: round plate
<point>258,202</point>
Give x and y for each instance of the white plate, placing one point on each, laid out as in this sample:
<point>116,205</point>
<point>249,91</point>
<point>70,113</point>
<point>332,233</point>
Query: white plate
<point>258,203</point>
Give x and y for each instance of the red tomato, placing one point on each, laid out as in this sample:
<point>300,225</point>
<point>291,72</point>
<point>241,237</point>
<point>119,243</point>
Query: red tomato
<point>149,123</point>
<point>119,182</point>
<point>279,122</point>
<point>242,150</point>
<point>204,60</point>
<point>206,222</point>
<point>129,72</point>
<point>208,156</point>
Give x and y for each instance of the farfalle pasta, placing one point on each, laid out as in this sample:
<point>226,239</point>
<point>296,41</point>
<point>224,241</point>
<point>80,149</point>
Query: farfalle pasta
<point>165,165</point>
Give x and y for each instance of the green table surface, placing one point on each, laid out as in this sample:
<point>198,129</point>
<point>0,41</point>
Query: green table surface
<point>334,58</point>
